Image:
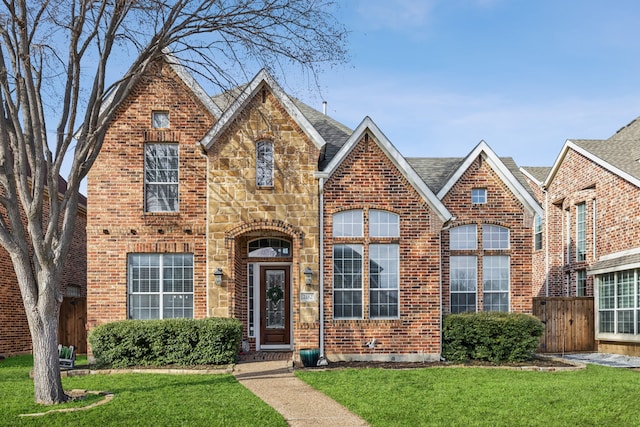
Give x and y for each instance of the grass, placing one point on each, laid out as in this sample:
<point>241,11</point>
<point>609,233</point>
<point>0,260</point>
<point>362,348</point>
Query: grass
<point>140,400</point>
<point>597,396</point>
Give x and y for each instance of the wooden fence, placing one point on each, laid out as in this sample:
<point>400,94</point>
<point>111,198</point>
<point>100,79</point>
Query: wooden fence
<point>71,327</point>
<point>569,324</point>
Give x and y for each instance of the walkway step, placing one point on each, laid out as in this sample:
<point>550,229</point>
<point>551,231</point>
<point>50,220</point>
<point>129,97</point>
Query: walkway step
<point>299,403</point>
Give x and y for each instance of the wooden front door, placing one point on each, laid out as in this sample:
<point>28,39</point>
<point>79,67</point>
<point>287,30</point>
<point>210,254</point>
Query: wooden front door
<point>275,306</point>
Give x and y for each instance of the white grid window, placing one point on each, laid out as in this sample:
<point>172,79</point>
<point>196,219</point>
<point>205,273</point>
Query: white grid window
<point>383,224</point>
<point>464,283</point>
<point>619,303</point>
<point>384,280</point>
<point>264,164</point>
<point>495,283</point>
<point>478,196</point>
<point>581,283</point>
<point>495,237</point>
<point>160,286</point>
<point>537,233</point>
<point>581,232</point>
<point>347,223</point>
<point>161,177</point>
<point>347,281</point>
<point>463,237</point>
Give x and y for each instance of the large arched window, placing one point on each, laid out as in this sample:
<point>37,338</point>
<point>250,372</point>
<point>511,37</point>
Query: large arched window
<point>264,164</point>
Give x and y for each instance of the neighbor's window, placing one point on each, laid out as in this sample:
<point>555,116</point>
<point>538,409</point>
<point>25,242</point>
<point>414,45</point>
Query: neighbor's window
<point>581,232</point>
<point>160,119</point>
<point>264,164</point>
<point>478,196</point>
<point>581,283</point>
<point>537,233</point>
<point>161,177</point>
<point>383,260</point>
<point>160,286</point>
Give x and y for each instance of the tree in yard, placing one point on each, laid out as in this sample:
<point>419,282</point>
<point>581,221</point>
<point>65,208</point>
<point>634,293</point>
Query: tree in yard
<point>55,60</point>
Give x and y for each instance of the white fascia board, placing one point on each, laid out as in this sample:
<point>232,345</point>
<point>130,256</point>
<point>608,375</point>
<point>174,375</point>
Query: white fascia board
<point>595,159</point>
<point>518,190</point>
<point>192,84</point>
<point>247,94</point>
<point>396,158</point>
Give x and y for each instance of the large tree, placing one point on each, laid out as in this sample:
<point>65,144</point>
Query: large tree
<point>56,57</point>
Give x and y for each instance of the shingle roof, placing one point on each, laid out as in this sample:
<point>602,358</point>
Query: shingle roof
<point>437,171</point>
<point>538,172</point>
<point>623,154</point>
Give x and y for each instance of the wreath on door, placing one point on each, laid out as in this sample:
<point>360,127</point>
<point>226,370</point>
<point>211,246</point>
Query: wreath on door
<point>275,294</point>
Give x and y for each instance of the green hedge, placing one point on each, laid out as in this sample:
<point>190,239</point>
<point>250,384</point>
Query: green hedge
<point>490,336</point>
<point>183,342</point>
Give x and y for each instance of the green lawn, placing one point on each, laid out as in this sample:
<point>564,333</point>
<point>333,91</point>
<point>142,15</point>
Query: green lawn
<point>597,396</point>
<point>140,400</point>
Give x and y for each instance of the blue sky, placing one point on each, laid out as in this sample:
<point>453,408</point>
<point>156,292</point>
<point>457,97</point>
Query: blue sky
<point>438,76</point>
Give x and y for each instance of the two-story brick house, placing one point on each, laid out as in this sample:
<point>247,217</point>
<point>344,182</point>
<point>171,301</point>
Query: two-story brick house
<point>255,206</point>
<point>591,232</point>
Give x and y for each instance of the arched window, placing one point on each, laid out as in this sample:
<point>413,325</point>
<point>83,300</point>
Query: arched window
<point>269,248</point>
<point>264,164</point>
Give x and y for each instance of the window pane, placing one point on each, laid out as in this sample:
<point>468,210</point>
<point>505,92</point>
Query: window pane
<point>463,283</point>
<point>147,299</point>
<point>347,281</point>
<point>347,223</point>
<point>384,278</point>
<point>264,163</point>
<point>161,177</point>
<point>581,232</point>
<point>383,224</point>
<point>479,195</point>
<point>581,283</point>
<point>269,248</point>
<point>160,119</point>
<point>538,232</point>
<point>463,237</point>
<point>495,237</point>
<point>495,283</point>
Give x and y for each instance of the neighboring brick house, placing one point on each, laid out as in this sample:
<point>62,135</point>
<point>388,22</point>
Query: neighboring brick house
<point>15,337</point>
<point>591,232</point>
<point>255,206</point>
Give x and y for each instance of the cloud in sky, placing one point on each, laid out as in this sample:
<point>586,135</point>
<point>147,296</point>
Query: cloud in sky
<point>397,15</point>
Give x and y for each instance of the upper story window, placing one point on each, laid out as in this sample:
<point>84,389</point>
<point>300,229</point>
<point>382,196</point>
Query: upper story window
<point>348,223</point>
<point>160,177</point>
<point>383,224</point>
<point>537,232</point>
<point>463,237</point>
<point>160,119</point>
<point>581,232</point>
<point>269,248</point>
<point>495,237</point>
<point>478,196</point>
<point>264,164</point>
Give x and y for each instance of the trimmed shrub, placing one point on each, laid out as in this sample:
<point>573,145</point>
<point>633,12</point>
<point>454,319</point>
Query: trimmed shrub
<point>182,342</point>
<point>490,336</point>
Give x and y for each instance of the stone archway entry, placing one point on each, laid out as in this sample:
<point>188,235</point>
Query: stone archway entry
<point>275,306</point>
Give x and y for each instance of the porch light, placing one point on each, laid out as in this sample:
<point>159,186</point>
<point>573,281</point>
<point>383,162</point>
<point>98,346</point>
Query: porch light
<point>308,275</point>
<point>218,276</point>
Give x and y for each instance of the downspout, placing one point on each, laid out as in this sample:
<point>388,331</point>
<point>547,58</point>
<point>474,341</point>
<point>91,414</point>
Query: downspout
<point>203,153</point>
<point>322,361</point>
<point>546,242</point>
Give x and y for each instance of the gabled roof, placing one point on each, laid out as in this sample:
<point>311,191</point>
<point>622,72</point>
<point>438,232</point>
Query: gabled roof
<point>505,168</point>
<point>367,125</point>
<point>246,94</point>
<point>619,156</point>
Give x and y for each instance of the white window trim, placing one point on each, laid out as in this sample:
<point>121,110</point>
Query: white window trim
<point>608,336</point>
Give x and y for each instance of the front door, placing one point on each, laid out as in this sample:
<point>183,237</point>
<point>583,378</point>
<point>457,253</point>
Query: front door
<point>275,306</point>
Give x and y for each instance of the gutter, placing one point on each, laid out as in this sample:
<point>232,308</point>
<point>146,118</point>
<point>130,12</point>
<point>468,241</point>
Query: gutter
<point>322,361</point>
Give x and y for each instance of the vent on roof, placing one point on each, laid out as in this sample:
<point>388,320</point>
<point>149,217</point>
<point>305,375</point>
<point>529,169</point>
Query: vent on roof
<point>324,107</point>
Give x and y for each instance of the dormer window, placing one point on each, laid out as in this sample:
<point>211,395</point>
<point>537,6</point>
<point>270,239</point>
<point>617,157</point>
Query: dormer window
<point>160,120</point>
<point>478,196</point>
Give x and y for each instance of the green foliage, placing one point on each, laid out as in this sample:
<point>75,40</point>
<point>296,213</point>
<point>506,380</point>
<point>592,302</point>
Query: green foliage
<point>183,342</point>
<point>140,400</point>
<point>490,336</point>
<point>595,396</point>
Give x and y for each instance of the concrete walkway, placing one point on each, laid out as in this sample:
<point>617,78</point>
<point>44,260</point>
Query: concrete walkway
<point>301,405</point>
